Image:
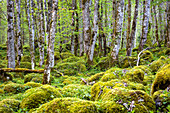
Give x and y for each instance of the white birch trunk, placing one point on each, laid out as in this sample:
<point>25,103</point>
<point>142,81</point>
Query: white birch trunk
<point>10,35</point>
<point>95,29</point>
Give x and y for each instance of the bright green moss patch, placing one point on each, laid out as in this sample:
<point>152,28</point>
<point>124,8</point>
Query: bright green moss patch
<point>76,90</point>
<point>97,89</point>
<point>15,88</point>
<point>142,102</point>
<point>128,61</point>
<point>33,84</point>
<point>26,58</point>
<point>1,91</point>
<point>104,63</point>
<point>68,105</point>
<point>26,65</point>
<point>162,80</point>
<point>65,55</point>
<point>34,97</point>
<point>147,56</point>
<point>95,77</point>
<point>9,105</point>
<point>162,99</point>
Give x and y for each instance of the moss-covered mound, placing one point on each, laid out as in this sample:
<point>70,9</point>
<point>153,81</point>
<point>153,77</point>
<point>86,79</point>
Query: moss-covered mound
<point>136,100</point>
<point>71,66</point>
<point>9,106</point>
<point>104,63</point>
<point>147,56</point>
<point>128,61</point>
<point>14,88</point>
<point>76,90</point>
<point>35,77</point>
<point>111,107</point>
<point>158,64</point>
<point>113,73</point>
<point>33,84</point>
<point>162,100</point>
<point>34,97</point>
<point>135,75</point>
<point>68,105</point>
<point>162,80</point>
<point>97,89</point>
<point>96,77</point>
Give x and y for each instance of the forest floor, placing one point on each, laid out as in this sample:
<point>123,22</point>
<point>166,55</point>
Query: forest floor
<point>101,88</point>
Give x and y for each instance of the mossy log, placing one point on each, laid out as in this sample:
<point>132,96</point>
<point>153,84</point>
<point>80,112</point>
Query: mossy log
<point>4,76</point>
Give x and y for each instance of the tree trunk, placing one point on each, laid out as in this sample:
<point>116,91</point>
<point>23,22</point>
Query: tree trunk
<point>86,25</point>
<point>128,29</point>
<point>19,44</point>
<point>145,24</point>
<point>95,29</point>
<point>117,30</point>
<point>76,30</point>
<point>168,24</point>
<point>41,35</point>
<point>73,26</point>
<point>133,32</point>
<point>33,36</point>
<point>156,22</point>
<point>50,49</point>
<point>10,35</point>
<point>45,19</point>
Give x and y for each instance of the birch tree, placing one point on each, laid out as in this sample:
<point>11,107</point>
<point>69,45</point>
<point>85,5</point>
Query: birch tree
<point>41,35</point>
<point>95,30</point>
<point>10,35</point>
<point>19,43</point>
<point>168,23</point>
<point>145,23</point>
<point>50,49</point>
<point>117,30</point>
<point>133,32</point>
<point>86,25</point>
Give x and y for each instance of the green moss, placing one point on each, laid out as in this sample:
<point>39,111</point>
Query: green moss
<point>104,63</point>
<point>68,105</point>
<point>113,73</point>
<point>122,96</point>
<point>76,90</point>
<point>158,64</point>
<point>162,79</point>
<point>65,55</point>
<point>9,105</point>
<point>34,97</point>
<point>135,75</point>
<point>15,88</point>
<point>26,58</point>
<point>33,84</point>
<point>25,65</point>
<point>96,77</point>
<point>97,89</point>
<point>162,98</point>
<point>111,107</point>
<point>167,51</point>
<point>1,91</point>
<point>147,56</point>
<point>35,77</point>
<point>128,61</point>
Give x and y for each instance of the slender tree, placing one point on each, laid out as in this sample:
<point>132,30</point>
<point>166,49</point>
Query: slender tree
<point>133,32</point>
<point>145,23</point>
<point>86,25</point>
<point>73,26</point>
<point>128,29</point>
<point>50,49</point>
<point>95,30</point>
<point>10,35</point>
<point>19,43</point>
<point>168,24</point>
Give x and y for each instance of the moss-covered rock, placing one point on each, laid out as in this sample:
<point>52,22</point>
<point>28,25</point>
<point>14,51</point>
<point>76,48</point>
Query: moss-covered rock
<point>26,58</point>
<point>135,75</point>
<point>137,100</point>
<point>95,77</point>
<point>113,73</point>
<point>9,105</point>
<point>34,97</point>
<point>97,89</point>
<point>68,105</point>
<point>110,107</point>
<point>15,88</point>
<point>162,100</point>
<point>147,56</point>
<point>33,84</point>
<point>65,55</point>
<point>76,90</point>
<point>128,61</point>
<point>157,64</point>
<point>162,80</point>
<point>35,77</point>
<point>1,91</point>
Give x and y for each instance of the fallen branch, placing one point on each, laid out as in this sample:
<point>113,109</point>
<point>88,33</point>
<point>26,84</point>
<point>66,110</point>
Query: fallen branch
<point>2,70</point>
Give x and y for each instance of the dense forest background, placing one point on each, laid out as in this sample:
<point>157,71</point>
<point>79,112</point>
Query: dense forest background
<point>110,55</point>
